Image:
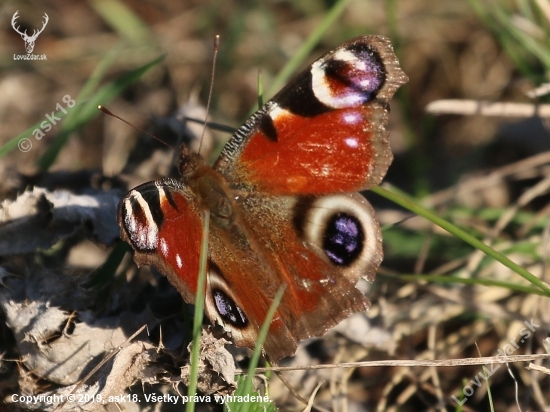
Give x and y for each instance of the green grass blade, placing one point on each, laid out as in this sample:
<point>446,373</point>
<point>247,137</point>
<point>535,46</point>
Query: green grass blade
<point>89,110</point>
<point>519,45</point>
<point>525,40</point>
<point>461,234</point>
<point>100,71</point>
<point>13,143</point>
<point>124,20</point>
<point>199,308</point>
<point>258,406</point>
<point>91,84</point>
<point>246,387</point>
<point>489,394</point>
<point>293,64</point>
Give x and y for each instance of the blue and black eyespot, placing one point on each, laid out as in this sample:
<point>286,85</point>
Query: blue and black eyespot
<point>343,239</point>
<point>228,309</point>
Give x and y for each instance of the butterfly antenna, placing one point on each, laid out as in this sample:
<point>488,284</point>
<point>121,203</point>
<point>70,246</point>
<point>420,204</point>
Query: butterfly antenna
<point>260,89</point>
<point>216,48</point>
<point>108,112</point>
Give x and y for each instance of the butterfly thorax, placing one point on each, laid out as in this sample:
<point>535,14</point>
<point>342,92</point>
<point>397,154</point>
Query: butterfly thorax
<point>189,163</point>
<point>209,187</point>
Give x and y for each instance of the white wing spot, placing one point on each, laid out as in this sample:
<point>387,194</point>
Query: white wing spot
<point>277,112</point>
<point>164,247</point>
<point>352,118</point>
<point>178,261</point>
<point>365,84</point>
<point>144,236</point>
<point>130,221</point>
<point>346,56</point>
<point>352,142</point>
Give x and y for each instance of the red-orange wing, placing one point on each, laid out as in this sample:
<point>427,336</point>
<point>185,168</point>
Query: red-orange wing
<point>326,131</point>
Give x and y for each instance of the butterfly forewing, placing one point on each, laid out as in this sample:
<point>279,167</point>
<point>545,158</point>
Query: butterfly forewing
<point>326,131</point>
<point>163,225</point>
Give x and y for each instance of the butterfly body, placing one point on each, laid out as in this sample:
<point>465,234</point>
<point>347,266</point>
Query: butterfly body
<point>283,203</point>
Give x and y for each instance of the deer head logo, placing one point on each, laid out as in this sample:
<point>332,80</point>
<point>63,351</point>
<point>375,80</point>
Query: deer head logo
<point>29,40</point>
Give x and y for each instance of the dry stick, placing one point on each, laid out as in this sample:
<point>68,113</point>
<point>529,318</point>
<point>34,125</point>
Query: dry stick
<point>476,183</point>
<point>534,367</point>
<point>72,315</point>
<point>544,88</point>
<point>109,356</point>
<point>539,189</point>
<point>531,223</point>
<point>291,388</point>
<point>487,108</point>
<point>499,359</point>
<point>420,263</point>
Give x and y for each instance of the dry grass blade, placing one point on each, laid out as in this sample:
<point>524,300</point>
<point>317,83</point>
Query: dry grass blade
<point>406,362</point>
<point>487,108</point>
<point>309,406</point>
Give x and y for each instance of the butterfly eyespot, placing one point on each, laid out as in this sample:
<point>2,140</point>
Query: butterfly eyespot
<point>343,239</point>
<point>228,309</point>
<point>342,230</point>
<point>350,77</point>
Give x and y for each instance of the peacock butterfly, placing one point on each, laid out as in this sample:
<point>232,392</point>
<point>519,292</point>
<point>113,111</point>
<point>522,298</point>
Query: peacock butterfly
<point>284,204</point>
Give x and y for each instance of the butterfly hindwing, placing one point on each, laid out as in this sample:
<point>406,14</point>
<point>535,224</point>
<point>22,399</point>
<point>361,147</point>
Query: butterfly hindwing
<point>317,247</point>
